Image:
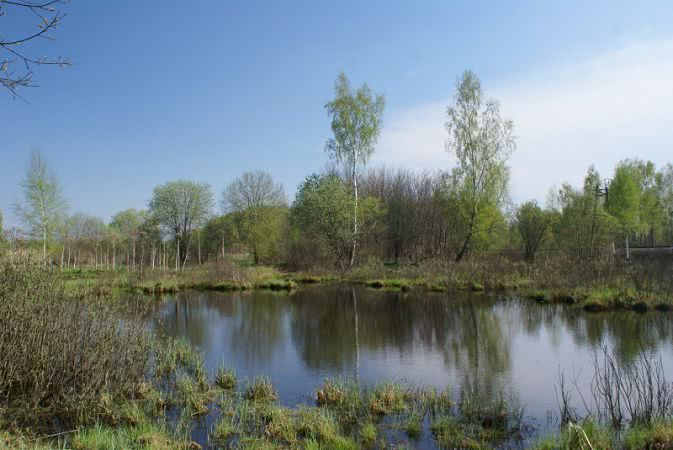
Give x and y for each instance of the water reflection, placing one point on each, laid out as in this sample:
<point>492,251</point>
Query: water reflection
<point>466,341</point>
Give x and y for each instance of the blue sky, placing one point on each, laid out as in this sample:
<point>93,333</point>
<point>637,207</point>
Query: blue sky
<point>206,90</point>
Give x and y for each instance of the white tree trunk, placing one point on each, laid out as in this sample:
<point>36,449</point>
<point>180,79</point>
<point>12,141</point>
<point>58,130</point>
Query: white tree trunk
<point>177,255</point>
<point>628,250</point>
<point>44,245</point>
<point>355,211</point>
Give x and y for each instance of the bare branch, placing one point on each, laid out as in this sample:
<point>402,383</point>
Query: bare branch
<point>49,17</point>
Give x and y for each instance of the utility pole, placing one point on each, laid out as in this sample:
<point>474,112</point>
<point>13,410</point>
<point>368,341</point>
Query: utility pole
<point>603,192</point>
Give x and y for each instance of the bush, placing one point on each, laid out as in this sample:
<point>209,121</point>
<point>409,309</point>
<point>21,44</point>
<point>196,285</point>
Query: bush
<point>61,356</point>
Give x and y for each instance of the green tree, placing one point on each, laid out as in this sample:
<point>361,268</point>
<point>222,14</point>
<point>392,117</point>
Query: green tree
<point>94,232</point>
<point>482,142</point>
<point>532,224</point>
<point>220,235</point>
<point>356,123</point>
<point>650,211</point>
<point>260,210</point>
<point>624,198</point>
<point>180,207</point>
<point>665,196</point>
<point>43,203</point>
<point>322,213</point>
<point>582,225</point>
<point>129,223</point>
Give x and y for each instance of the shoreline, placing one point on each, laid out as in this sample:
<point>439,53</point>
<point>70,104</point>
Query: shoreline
<point>590,299</point>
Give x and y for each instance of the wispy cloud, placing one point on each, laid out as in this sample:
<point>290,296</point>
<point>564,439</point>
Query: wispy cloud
<point>415,138</point>
<point>617,105</point>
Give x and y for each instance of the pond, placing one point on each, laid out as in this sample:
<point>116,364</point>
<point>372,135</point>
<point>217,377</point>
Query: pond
<point>485,342</point>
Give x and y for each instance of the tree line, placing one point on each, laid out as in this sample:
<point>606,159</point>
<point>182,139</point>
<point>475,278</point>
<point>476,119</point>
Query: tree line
<point>350,213</point>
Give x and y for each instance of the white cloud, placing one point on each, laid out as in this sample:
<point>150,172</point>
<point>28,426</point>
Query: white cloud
<point>615,106</point>
<point>415,138</point>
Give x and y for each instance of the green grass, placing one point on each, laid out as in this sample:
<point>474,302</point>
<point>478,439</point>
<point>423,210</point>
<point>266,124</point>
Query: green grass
<point>656,435</point>
<point>368,433</point>
<point>413,424</point>
<point>450,434</point>
<point>260,389</point>
<point>195,396</point>
<point>277,285</point>
<point>343,396</point>
<point>226,378</point>
<point>394,284</point>
<point>387,398</point>
<point>145,436</point>
<point>539,295</point>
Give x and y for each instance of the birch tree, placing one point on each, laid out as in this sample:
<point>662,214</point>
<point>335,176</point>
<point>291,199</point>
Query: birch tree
<point>356,124</point>
<point>43,204</point>
<point>482,142</point>
<point>624,203</point>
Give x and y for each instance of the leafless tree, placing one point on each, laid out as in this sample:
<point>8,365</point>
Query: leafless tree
<point>254,189</point>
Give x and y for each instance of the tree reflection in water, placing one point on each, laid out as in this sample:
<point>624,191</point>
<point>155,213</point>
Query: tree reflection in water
<point>466,340</point>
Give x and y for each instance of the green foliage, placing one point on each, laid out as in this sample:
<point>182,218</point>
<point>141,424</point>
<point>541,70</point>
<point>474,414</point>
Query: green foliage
<point>664,189</point>
<point>180,207</point>
<point>532,223</point>
<point>259,212</point>
<point>624,199</point>
<point>322,212</point>
<point>128,223</point>
<point>582,226</point>
<point>639,199</point>
<point>482,142</point>
<point>262,230</point>
<point>356,123</point>
<point>221,235</point>
<point>43,205</point>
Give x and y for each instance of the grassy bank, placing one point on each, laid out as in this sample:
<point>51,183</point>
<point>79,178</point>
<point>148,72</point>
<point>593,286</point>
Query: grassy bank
<point>213,277</point>
<point>597,285</point>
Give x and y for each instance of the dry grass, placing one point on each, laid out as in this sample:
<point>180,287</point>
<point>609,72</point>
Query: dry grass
<point>61,355</point>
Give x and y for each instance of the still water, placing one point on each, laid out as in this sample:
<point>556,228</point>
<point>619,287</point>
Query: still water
<point>471,340</point>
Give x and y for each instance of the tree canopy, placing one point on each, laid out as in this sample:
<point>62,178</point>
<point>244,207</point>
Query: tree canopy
<point>43,205</point>
<point>482,142</point>
<point>180,207</point>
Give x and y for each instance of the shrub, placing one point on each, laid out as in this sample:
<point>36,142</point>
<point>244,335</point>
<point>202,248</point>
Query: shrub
<point>60,356</point>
